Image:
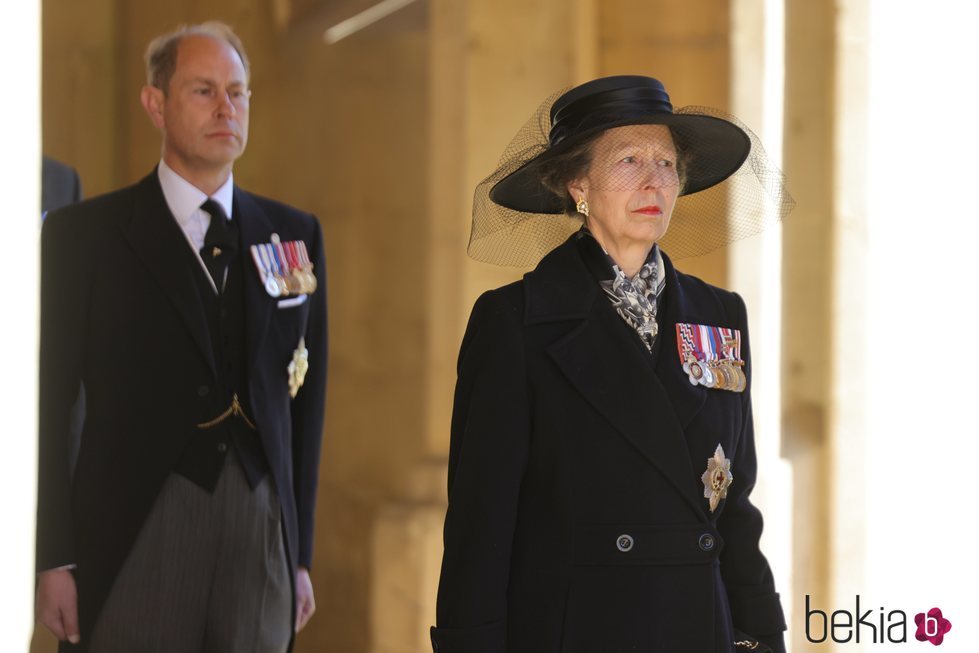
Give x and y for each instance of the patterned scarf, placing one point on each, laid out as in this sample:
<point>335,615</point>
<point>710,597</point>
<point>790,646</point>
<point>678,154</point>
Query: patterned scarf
<point>635,299</point>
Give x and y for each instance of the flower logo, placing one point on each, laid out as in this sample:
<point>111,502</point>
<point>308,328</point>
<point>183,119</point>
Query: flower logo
<point>932,626</point>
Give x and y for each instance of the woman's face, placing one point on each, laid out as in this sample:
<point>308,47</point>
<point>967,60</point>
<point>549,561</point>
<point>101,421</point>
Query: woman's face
<point>631,185</point>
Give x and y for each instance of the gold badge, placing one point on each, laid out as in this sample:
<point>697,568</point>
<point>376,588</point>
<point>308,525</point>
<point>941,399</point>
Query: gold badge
<point>717,478</point>
<point>298,367</point>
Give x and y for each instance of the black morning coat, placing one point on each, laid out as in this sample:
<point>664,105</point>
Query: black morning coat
<point>121,312</point>
<point>566,435</point>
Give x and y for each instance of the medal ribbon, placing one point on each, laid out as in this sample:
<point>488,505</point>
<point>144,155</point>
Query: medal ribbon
<point>268,257</point>
<point>259,264</point>
<point>290,247</point>
<point>280,260</point>
<point>707,343</point>
<point>304,255</point>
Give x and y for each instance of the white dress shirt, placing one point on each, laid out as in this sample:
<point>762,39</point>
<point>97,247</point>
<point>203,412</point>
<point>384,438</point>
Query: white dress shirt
<point>185,199</point>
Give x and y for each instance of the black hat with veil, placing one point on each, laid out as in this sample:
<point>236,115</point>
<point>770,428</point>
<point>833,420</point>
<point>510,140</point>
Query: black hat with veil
<point>728,187</point>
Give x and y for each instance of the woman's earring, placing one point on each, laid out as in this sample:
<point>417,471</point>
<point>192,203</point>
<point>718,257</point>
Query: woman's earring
<point>582,207</point>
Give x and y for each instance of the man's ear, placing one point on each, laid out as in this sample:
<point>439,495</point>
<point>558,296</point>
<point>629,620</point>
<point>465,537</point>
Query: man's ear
<point>153,100</point>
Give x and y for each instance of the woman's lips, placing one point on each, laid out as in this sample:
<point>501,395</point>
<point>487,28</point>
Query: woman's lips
<point>649,210</point>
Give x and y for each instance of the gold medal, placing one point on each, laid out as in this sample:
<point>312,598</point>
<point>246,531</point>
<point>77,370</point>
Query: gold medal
<point>742,378</point>
<point>732,372</point>
<point>281,283</point>
<point>306,266</point>
<point>295,282</point>
<point>309,280</point>
<point>721,374</point>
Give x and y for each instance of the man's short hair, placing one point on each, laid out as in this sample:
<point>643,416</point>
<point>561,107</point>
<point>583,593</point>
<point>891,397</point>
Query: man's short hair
<point>161,54</point>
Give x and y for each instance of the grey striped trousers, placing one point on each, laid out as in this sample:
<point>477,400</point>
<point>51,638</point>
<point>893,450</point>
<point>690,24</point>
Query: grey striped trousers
<point>207,574</point>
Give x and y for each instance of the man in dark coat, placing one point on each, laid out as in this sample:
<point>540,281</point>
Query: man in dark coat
<point>191,311</point>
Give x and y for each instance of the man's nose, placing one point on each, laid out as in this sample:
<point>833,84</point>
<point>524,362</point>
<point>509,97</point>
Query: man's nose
<point>226,106</point>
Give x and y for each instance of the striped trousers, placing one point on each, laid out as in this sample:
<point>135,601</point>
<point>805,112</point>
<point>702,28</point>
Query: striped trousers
<point>207,574</point>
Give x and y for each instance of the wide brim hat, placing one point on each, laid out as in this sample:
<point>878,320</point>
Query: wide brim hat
<point>714,148</point>
<point>730,189</point>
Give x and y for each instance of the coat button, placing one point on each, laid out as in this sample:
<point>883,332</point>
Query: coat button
<point>202,390</point>
<point>706,542</point>
<point>222,447</point>
<point>624,543</point>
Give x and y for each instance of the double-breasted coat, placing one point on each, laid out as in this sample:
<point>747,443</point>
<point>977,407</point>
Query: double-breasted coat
<point>567,435</point>
<point>121,313</point>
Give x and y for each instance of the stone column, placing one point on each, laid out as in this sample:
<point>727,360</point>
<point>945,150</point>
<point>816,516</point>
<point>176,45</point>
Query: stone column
<point>687,46</point>
<point>808,277</point>
<point>490,64</point>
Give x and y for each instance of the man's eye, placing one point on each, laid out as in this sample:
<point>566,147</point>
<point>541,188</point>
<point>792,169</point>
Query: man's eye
<point>202,91</point>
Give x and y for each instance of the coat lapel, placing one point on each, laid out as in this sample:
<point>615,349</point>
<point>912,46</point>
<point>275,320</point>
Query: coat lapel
<point>607,368</point>
<point>159,242</point>
<point>255,227</point>
<point>686,398</point>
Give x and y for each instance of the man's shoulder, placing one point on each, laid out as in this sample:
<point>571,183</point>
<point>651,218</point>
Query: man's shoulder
<point>274,207</point>
<point>104,205</point>
<point>89,219</point>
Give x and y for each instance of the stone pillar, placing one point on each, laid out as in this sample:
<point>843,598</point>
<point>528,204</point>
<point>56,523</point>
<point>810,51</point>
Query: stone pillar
<point>847,422</point>
<point>686,45</point>
<point>490,65</point>
<point>754,271</point>
<point>80,89</point>
<point>808,278</point>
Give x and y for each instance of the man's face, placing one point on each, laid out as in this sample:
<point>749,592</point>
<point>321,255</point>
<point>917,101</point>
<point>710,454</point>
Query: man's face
<point>204,114</point>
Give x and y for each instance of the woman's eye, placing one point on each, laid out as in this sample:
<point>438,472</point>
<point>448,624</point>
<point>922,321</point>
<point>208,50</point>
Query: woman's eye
<point>664,163</point>
<point>628,159</point>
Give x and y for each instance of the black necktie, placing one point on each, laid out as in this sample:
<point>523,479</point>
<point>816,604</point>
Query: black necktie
<point>220,243</point>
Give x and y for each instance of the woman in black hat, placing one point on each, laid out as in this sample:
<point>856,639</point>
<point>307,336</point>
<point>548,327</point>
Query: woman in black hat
<point>602,449</point>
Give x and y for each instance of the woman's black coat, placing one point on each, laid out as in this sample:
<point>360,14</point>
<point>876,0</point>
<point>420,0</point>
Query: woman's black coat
<point>566,435</point>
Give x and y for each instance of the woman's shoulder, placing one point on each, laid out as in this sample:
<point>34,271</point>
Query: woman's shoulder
<point>712,301</point>
<point>505,304</point>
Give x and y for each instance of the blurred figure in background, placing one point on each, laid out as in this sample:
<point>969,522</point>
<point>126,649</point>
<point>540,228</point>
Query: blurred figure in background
<point>60,185</point>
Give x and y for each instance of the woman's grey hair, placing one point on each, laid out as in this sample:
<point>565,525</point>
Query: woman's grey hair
<point>559,171</point>
<point>161,54</point>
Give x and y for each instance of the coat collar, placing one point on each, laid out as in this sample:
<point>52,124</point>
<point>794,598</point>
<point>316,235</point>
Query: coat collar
<point>649,403</point>
<point>158,240</point>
